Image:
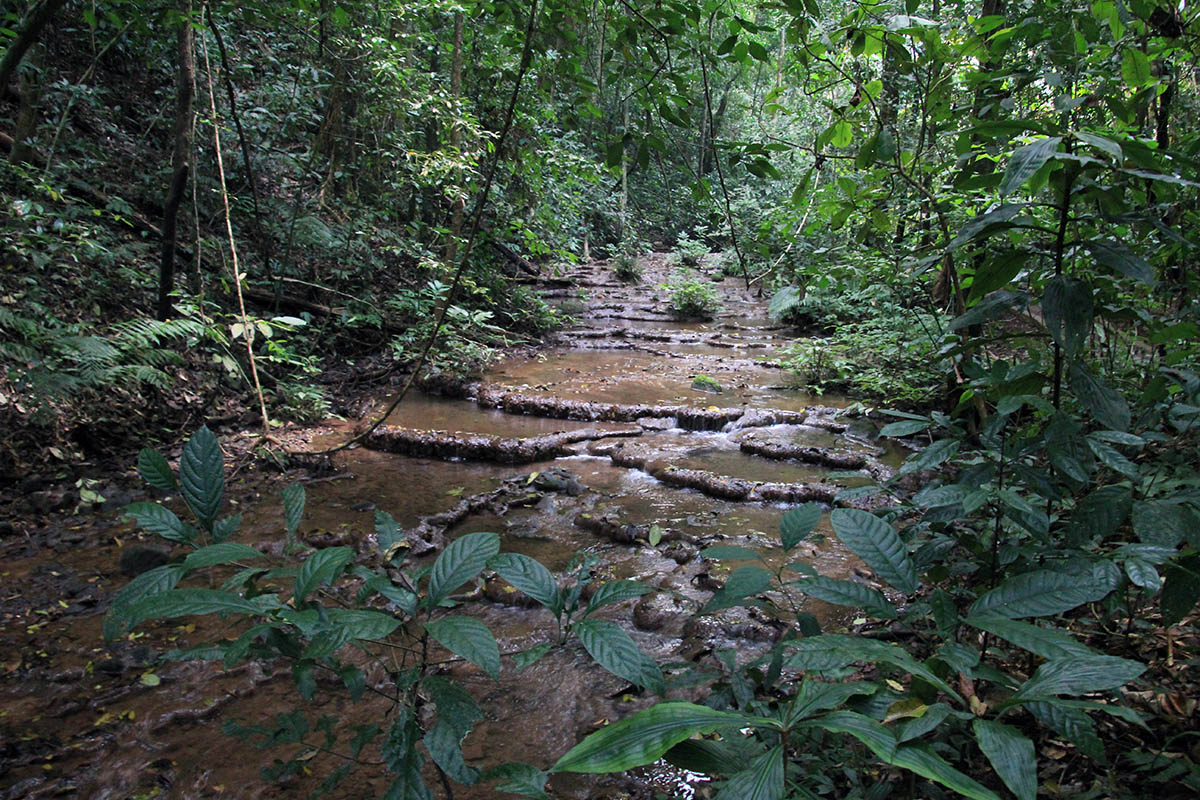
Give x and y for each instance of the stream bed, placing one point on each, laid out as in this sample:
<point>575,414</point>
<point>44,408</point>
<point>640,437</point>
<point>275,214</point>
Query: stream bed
<point>607,413</point>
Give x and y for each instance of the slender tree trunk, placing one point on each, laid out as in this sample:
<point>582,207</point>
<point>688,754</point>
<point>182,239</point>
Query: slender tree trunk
<point>27,114</point>
<point>460,202</point>
<point>36,20</point>
<point>180,159</point>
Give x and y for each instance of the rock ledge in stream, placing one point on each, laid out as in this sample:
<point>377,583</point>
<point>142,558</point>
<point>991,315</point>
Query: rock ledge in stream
<point>479,447</point>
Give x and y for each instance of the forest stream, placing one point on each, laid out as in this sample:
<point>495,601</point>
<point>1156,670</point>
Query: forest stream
<point>602,441</point>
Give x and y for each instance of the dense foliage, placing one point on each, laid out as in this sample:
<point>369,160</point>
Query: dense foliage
<point>986,213</point>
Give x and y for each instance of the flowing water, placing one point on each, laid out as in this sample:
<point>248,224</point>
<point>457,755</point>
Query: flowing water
<point>78,720</point>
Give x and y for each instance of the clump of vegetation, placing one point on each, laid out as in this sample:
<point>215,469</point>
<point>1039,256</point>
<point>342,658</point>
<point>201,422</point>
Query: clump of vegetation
<point>705,383</point>
<point>688,252</point>
<point>692,299</point>
<point>626,268</point>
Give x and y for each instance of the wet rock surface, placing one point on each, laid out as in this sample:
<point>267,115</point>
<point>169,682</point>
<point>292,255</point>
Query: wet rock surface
<point>627,458</point>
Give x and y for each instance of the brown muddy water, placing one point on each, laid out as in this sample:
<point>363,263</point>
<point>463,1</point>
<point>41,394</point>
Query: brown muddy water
<point>79,719</point>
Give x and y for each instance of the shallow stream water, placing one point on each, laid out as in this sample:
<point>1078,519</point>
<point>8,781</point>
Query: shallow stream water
<point>81,721</point>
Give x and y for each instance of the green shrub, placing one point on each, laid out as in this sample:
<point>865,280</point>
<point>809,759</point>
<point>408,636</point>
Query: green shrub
<point>692,299</point>
<point>626,268</point>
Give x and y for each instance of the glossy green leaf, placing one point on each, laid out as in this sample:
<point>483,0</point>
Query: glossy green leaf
<point>1041,593</point>
<point>530,576</point>
<point>293,507</point>
<point>905,427</point>
<point>1122,260</point>
<point>814,696</point>
<point>797,523</point>
<point>1181,589</point>
<point>522,779</point>
<point>880,740</point>
<point>1027,160</point>
<point>878,545</point>
<point>1107,405</point>
<point>319,569</point>
<point>616,592</point>
<point>461,561</point>
<point>403,759</point>
<point>445,748</point>
<point>831,651</point>
<point>1067,308</point>
<point>469,638</point>
<point>223,553</point>
<point>919,757</point>
<point>743,582</point>
<point>613,649</point>
<point>1070,723</point>
<point>644,737</point>
<point>1049,643</point>
<point>185,603</point>
<point>362,623</point>
<point>202,476</point>
<point>152,581</point>
<point>847,593</point>
<point>762,780</point>
<point>1011,754</point>
<point>842,133</point>
<point>160,520</point>
<point>1080,675</point>
<point>1135,68</point>
<point>155,470</point>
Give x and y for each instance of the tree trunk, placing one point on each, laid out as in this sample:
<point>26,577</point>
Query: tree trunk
<point>28,35</point>
<point>460,202</point>
<point>27,114</point>
<point>180,159</point>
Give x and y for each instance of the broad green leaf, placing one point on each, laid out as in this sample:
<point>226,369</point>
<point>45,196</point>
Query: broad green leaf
<point>321,568</point>
<point>155,470</point>
<point>798,523</point>
<point>223,553</point>
<point>461,561</point>
<point>934,455</point>
<point>1100,513</point>
<point>1143,574</point>
<point>152,581</point>
<point>1025,161</point>
<point>1067,308</point>
<point>613,649</point>
<point>293,507</point>
<point>615,592</point>
<point>814,696</point>
<point>202,476</point>
<point>226,527</point>
<point>1135,68</point>
<point>1106,404</point>
<point>1049,643</point>
<point>185,603</point>
<point>1079,675</point>
<point>527,658</point>
<point>469,638</point>
<point>762,780</point>
<point>1122,260</point>
<point>1071,723</point>
<point>841,134</point>
<point>362,623</point>
<point>743,582</point>
<point>706,756</point>
<point>1041,593</point>
<point>983,225</point>
<point>387,531</point>
<point>1011,754</point>
<point>919,757</point>
<point>403,759</point>
<point>847,593</point>
<point>1068,448</point>
<point>880,740</point>
<point>831,651</point>
<point>455,706</point>
<point>905,427</point>
<point>1112,458</point>
<point>647,735</point>
<point>445,747</point>
<point>161,520</point>
<point>1163,523</point>
<point>1181,589</point>
<point>530,576</point>
<point>878,545</point>
<point>1102,144</point>
<point>523,779</point>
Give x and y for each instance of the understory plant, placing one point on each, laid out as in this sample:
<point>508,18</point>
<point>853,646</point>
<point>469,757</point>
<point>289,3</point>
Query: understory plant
<point>367,621</point>
<point>692,299</point>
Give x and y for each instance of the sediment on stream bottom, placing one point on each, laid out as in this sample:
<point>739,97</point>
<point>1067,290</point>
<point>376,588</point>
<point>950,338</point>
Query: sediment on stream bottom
<point>479,447</point>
